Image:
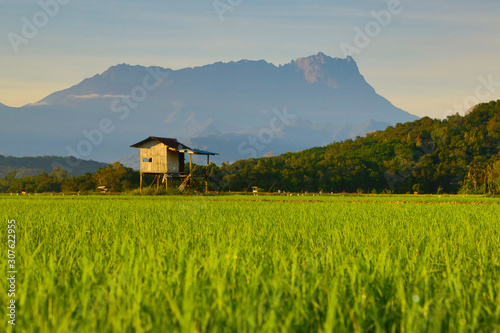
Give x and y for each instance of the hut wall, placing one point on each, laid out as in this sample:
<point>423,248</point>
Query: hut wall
<point>156,153</point>
<point>173,161</point>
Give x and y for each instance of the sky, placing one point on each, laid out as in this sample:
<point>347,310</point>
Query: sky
<point>430,58</point>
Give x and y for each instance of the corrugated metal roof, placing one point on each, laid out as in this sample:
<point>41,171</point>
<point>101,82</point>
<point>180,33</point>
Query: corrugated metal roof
<point>173,143</point>
<point>197,152</point>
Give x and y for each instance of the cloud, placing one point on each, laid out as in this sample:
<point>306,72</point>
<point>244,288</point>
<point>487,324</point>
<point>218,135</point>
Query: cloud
<point>115,96</point>
<point>91,96</point>
<point>94,96</point>
<point>171,117</point>
<point>37,104</point>
<point>178,105</point>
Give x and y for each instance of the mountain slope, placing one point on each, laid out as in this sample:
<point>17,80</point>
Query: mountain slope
<point>296,136</point>
<point>222,99</point>
<point>29,166</point>
<point>426,156</point>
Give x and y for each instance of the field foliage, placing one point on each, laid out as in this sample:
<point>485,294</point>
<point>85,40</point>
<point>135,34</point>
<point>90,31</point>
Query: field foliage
<point>245,263</point>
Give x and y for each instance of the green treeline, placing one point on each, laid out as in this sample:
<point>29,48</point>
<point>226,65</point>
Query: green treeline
<point>460,154</point>
<point>115,177</point>
<point>454,155</point>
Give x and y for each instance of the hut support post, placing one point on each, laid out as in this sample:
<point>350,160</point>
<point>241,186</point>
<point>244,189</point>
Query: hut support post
<point>191,174</point>
<point>140,186</point>
<point>206,175</point>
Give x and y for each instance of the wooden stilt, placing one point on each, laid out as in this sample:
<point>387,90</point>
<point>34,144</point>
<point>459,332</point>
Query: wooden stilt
<point>154,180</point>
<point>191,173</point>
<point>206,175</point>
<point>140,186</point>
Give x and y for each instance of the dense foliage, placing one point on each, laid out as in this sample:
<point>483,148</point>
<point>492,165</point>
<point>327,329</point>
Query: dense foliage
<point>115,177</point>
<point>460,153</point>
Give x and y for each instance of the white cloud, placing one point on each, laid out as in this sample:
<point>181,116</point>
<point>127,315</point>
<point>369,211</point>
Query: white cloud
<point>91,96</point>
<point>37,104</point>
<point>115,96</point>
<point>94,96</point>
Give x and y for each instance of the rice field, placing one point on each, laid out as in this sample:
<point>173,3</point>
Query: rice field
<point>254,263</point>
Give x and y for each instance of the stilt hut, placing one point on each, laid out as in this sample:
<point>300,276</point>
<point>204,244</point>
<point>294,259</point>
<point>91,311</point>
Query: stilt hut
<point>164,158</point>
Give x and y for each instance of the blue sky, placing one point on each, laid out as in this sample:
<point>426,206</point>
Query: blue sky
<point>430,59</point>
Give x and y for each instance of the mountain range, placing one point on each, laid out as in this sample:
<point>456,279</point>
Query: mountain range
<point>30,166</point>
<point>238,109</point>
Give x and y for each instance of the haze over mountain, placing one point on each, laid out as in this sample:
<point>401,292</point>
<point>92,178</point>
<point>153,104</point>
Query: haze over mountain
<point>239,109</point>
<point>30,166</point>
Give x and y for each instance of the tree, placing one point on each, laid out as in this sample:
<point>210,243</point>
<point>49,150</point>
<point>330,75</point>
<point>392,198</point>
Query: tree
<point>112,176</point>
<point>494,178</point>
<point>59,173</point>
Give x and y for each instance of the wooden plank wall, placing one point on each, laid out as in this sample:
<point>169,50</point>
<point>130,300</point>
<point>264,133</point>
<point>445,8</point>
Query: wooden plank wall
<point>157,152</point>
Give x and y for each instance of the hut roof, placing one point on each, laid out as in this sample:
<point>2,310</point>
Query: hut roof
<point>174,144</point>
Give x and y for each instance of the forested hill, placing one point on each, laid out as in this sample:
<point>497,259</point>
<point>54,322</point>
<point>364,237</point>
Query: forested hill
<point>457,154</point>
<point>30,166</point>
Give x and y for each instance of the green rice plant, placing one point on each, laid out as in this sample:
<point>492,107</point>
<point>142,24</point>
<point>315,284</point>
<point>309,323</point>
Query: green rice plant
<point>255,264</point>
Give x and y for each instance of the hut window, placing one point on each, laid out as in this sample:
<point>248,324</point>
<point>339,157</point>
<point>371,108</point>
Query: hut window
<point>147,160</point>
